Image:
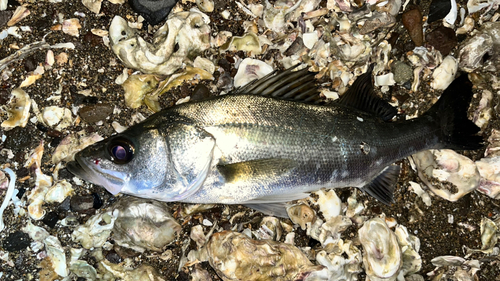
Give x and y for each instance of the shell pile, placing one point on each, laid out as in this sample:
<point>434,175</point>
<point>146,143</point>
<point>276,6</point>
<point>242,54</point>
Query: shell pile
<point>73,74</point>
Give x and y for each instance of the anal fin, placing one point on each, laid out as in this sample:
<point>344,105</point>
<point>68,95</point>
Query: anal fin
<point>270,209</point>
<point>382,186</point>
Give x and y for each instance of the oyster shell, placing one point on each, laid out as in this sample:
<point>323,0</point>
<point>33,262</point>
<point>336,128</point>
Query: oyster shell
<point>184,34</point>
<point>137,86</point>
<point>382,254</point>
<point>339,266</point>
<point>473,50</point>
<point>19,111</point>
<point>249,70</point>
<point>329,203</point>
<point>444,74</point>
<point>95,232</point>
<point>447,166</point>
<point>234,256</point>
<point>301,214</point>
<point>489,169</point>
<point>143,224</point>
<point>410,245</point>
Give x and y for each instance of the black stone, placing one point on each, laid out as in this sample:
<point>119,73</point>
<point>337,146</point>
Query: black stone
<point>16,241</point>
<point>22,172</point>
<point>113,257</point>
<point>97,201</point>
<point>438,10</point>
<point>153,11</point>
<point>82,204</point>
<point>50,219</point>
<point>30,64</point>
<point>21,193</point>
<point>200,92</point>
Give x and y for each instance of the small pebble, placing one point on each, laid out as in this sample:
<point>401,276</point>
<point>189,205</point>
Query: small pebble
<point>51,219</point>
<point>153,11</point>
<point>442,39</point>
<point>402,72</point>
<point>97,201</point>
<point>95,113</point>
<point>82,204</point>
<point>200,92</point>
<point>113,257</point>
<point>412,21</point>
<point>16,241</point>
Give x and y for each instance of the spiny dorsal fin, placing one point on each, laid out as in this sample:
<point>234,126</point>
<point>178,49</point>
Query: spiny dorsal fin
<point>361,96</point>
<point>382,187</point>
<point>286,85</point>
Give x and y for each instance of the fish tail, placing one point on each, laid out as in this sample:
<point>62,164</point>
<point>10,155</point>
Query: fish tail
<point>450,112</point>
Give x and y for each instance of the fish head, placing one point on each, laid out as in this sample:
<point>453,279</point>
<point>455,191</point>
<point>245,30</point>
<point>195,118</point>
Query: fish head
<point>166,164</point>
<point>126,163</point>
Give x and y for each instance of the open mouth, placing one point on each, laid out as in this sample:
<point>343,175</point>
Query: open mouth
<point>111,182</point>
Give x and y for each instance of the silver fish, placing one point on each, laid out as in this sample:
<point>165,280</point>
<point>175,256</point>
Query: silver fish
<point>274,141</point>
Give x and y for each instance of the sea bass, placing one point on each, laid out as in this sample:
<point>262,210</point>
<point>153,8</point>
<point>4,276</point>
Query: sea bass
<point>274,141</point>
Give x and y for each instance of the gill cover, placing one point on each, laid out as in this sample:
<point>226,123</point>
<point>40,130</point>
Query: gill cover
<point>190,154</point>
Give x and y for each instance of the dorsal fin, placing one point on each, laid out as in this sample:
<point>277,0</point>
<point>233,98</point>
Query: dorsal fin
<point>361,96</point>
<point>286,85</point>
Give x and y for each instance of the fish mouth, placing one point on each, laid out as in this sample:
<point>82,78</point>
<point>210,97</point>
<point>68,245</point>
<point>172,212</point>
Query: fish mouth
<point>82,170</point>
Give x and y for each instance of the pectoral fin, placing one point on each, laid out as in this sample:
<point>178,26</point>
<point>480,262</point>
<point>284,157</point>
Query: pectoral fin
<point>382,187</point>
<point>256,170</point>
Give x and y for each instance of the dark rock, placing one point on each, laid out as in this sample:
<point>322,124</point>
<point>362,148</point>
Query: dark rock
<point>154,11</point>
<point>442,39</point>
<point>5,17</point>
<point>82,204</point>
<point>54,133</point>
<point>95,113</point>
<point>296,46</point>
<point>22,172</point>
<point>412,21</point>
<point>97,201</point>
<point>18,138</point>
<point>21,192</point>
<point>113,257</point>
<point>16,241</point>
<point>438,10</point>
<point>41,128</point>
<point>50,219</point>
<point>65,205</point>
<point>79,99</point>
<point>92,39</point>
<point>200,92</point>
<point>30,64</point>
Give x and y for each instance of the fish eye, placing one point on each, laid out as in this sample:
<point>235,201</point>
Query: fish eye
<point>120,150</point>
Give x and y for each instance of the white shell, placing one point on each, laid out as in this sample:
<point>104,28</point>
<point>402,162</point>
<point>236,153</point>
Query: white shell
<point>198,236</point>
<point>19,111</point>
<point>410,245</point>
<point>93,5</point>
<point>71,27</point>
<point>382,255</point>
<point>451,17</point>
<point>385,80</point>
<point>249,70</point>
<point>483,113</point>
<point>329,203</point>
<point>52,115</point>
<point>301,214</point>
<point>489,235</point>
<point>489,169</point>
<point>189,31</point>
<point>71,144</point>
<point>206,6</point>
<point>444,74</point>
<point>58,192</point>
<point>270,228</point>
<point>447,166</point>
<point>95,232</point>
<point>143,224</point>
<point>339,267</point>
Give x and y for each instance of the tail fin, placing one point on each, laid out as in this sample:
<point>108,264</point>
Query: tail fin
<point>450,111</point>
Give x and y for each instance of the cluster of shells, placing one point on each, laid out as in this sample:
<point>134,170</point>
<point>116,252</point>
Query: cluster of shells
<point>338,40</point>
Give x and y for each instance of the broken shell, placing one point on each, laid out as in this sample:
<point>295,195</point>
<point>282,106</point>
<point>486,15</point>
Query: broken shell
<point>71,144</point>
<point>340,267</point>
<point>483,113</point>
<point>19,111</point>
<point>143,224</point>
<point>136,87</point>
<point>270,228</point>
<point>473,50</point>
<point>249,70</point>
<point>58,192</point>
<point>489,235</point>
<point>382,258</point>
<point>489,169</point>
<point>444,74</point>
<point>184,35</point>
<point>234,256</point>
<point>144,272</point>
<point>93,5</point>
<point>410,245</point>
<point>198,236</point>
<point>8,195</point>
<point>447,166</point>
<point>95,232</point>
<point>206,6</point>
<point>301,214</point>
<point>329,203</point>
<point>331,230</point>
<point>247,43</point>
<point>71,27</point>
<point>19,14</point>
<point>52,115</point>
